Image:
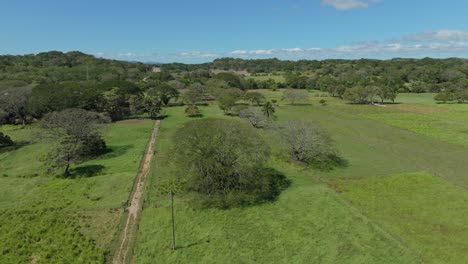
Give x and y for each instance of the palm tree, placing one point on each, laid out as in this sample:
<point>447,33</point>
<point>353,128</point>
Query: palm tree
<point>268,109</point>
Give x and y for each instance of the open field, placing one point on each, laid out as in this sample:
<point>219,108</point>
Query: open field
<point>423,210</point>
<point>45,219</point>
<point>314,220</point>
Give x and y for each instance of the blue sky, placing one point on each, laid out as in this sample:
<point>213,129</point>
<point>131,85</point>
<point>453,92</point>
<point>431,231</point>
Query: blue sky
<point>199,31</point>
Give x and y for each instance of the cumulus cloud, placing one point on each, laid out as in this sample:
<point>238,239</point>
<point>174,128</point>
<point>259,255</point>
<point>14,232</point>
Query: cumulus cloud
<point>195,54</point>
<point>343,5</point>
<point>442,42</point>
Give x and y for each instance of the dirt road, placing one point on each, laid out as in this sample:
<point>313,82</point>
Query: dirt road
<point>127,238</point>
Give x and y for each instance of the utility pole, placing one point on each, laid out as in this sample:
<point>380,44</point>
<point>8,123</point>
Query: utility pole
<point>173,222</point>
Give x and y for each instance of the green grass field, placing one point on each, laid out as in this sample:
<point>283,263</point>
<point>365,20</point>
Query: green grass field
<point>401,199</point>
<point>314,221</point>
<point>423,210</point>
<point>45,219</point>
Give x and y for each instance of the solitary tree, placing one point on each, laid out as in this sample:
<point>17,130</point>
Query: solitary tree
<point>306,142</point>
<point>14,102</point>
<point>295,95</point>
<point>225,160</point>
<point>255,116</point>
<point>77,136</point>
<point>268,109</point>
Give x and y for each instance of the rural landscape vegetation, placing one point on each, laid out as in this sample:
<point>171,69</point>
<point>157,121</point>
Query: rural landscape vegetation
<point>355,161</point>
<point>333,154</point>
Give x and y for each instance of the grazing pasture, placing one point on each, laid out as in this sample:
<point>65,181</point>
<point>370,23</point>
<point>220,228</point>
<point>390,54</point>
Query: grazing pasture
<point>327,216</point>
<point>48,219</point>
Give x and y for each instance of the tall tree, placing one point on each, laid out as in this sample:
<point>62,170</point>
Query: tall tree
<point>14,102</point>
<point>77,137</point>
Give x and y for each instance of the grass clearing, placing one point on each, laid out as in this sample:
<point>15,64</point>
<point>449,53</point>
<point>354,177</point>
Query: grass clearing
<point>56,220</point>
<point>309,223</point>
<point>426,212</point>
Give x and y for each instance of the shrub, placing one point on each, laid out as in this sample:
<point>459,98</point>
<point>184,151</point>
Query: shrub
<point>5,140</point>
<point>254,116</point>
<point>192,111</point>
<point>225,162</point>
<point>308,143</point>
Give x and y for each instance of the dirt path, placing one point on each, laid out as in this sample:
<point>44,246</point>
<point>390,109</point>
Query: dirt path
<point>127,238</point>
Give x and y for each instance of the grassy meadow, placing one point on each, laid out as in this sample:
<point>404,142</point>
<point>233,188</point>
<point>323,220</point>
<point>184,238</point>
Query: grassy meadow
<point>48,219</point>
<point>398,201</point>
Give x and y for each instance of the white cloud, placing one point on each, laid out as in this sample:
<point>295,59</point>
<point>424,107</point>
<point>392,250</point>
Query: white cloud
<point>195,54</point>
<point>343,5</point>
<point>127,55</point>
<point>98,54</point>
<point>435,43</point>
<point>439,36</point>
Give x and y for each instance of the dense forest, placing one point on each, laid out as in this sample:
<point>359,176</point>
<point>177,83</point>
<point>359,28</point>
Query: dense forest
<point>34,85</point>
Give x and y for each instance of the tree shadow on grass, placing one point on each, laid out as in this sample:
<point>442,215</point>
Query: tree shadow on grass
<point>198,243</point>
<point>17,145</point>
<point>115,151</point>
<point>86,171</point>
<point>329,163</point>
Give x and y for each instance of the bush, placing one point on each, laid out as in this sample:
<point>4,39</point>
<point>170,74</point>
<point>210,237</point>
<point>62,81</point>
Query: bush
<point>308,143</point>
<point>254,116</point>
<point>225,162</point>
<point>5,141</point>
<point>323,102</point>
<point>192,111</point>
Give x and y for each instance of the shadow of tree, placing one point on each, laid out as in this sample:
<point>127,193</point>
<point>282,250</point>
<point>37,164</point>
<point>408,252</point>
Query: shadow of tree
<point>198,243</point>
<point>329,163</point>
<point>115,151</point>
<point>17,145</point>
<point>86,171</point>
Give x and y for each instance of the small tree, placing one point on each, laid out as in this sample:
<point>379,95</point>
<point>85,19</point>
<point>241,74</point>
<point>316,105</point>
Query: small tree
<point>307,142</point>
<point>254,116</point>
<point>192,111</point>
<point>77,136</point>
<point>254,98</point>
<point>268,110</point>
<point>5,140</point>
<point>227,99</point>
<point>294,95</point>
<point>193,94</point>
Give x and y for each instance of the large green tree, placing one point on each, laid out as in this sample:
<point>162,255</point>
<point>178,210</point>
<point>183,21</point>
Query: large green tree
<point>76,135</point>
<point>225,159</point>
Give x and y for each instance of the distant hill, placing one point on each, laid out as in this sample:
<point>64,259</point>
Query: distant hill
<point>55,66</point>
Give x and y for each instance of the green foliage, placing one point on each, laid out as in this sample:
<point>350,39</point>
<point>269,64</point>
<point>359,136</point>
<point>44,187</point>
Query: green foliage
<point>308,143</point>
<point>255,98</point>
<point>225,160</point>
<point>77,135</point>
<point>268,110</point>
<point>56,67</point>
<point>5,141</point>
<point>192,111</point>
<point>227,100</point>
<point>233,80</point>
